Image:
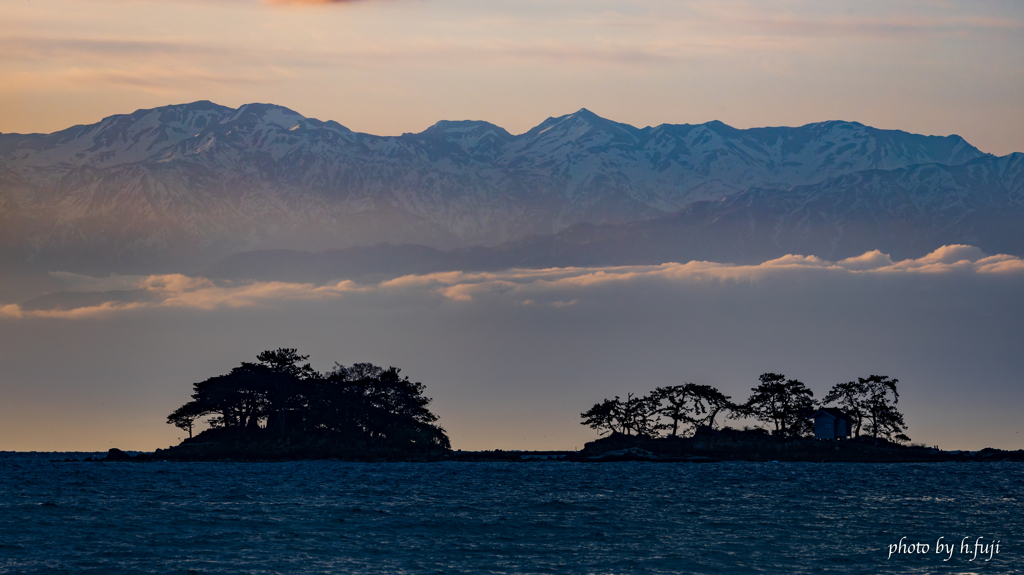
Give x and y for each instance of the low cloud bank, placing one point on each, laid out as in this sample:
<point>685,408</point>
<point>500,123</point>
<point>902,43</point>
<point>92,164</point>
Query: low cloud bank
<point>556,287</point>
<point>512,358</point>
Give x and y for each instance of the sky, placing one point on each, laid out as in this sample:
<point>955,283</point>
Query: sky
<point>511,359</point>
<point>393,66</point>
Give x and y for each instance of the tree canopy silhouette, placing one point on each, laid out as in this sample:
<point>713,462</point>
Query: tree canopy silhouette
<point>787,404</point>
<point>692,404</point>
<point>871,400</point>
<point>604,417</point>
<point>683,407</point>
<point>784,404</point>
<point>364,403</point>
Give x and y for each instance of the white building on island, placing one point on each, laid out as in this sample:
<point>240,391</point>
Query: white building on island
<point>831,423</point>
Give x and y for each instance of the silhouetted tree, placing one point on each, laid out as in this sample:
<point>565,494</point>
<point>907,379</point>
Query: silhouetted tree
<point>286,360</point>
<point>379,404</point>
<point>287,392</point>
<point>604,417</point>
<point>640,415</point>
<point>785,403</point>
<point>238,399</point>
<point>708,402</point>
<point>850,397</point>
<point>684,406</point>
<point>691,404</point>
<point>884,420</point>
<point>676,404</point>
<point>185,417</point>
<point>872,400</point>
<point>637,415</point>
<point>280,393</point>
<point>357,372</point>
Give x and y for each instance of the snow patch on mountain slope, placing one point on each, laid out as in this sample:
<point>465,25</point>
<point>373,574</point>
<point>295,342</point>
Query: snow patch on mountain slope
<point>203,176</point>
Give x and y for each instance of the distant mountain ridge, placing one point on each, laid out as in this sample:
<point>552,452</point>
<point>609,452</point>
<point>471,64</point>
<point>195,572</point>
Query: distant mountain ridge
<point>179,187</point>
<point>905,213</point>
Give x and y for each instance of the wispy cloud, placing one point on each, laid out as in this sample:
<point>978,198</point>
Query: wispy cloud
<point>555,287</point>
<point>512,357</point>
<point>452,37</point>
<point>894,21</point>
<point>53,46</point>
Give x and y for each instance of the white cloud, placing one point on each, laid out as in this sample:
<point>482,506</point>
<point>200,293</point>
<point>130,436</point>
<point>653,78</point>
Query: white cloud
<point>513,357</point>
<point>555,287</point>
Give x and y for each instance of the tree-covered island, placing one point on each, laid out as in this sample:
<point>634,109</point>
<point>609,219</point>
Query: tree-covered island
<point>784,405</point>
<point>281,408</point>
<point>680,422</point>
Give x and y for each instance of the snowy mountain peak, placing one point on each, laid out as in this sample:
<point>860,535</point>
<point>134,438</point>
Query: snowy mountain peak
<point>466,131</point>
<point>262,114</point>
<point>581,123</point>
<point>209,179</point>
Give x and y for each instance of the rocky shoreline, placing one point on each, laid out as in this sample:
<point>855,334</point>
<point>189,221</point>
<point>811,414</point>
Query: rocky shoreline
<point>717,446</point>
<point>705,448</point>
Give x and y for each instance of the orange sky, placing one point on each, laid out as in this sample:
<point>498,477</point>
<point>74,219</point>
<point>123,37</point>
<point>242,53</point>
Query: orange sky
<point>388,67</point>
<point>512,358</point>
<point>506,374</point>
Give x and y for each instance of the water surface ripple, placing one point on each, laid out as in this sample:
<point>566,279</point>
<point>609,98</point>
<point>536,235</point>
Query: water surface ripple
<point>537,517</point>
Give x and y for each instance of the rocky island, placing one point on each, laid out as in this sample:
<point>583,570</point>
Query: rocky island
<point>280,409</point>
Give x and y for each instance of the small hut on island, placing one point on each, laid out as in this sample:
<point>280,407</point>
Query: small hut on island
<point>831,423</point>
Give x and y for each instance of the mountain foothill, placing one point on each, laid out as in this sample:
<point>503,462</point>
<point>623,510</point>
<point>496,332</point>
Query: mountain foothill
<point>262,192</point>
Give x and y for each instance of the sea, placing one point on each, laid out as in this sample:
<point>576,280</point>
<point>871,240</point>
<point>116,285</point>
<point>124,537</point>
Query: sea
<point>508,517</point>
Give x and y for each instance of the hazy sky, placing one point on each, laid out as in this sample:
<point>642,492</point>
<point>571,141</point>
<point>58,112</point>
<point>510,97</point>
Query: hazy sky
<point>393,66</point>
<point>512,358</point>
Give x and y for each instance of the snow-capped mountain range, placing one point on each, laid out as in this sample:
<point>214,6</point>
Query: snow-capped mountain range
<point>178,187</point>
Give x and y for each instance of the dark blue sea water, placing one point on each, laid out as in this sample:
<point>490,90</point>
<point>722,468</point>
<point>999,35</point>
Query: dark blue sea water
<point>538,517</point>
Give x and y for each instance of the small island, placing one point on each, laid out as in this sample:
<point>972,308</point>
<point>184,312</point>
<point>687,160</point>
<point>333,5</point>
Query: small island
<point>279,408</point>
<point>678,423</point>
